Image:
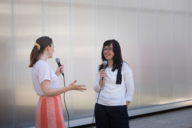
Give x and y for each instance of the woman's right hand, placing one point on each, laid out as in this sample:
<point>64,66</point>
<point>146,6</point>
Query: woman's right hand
<point>73,86</point>
<point>102,73</point>
<point>59,70</point>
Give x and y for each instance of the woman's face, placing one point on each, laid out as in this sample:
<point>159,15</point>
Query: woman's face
<point>108,52</point>
<point>51,50</point>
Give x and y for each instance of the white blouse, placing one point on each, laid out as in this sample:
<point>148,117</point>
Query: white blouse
<point>40,72</point>
<point>113,94</point>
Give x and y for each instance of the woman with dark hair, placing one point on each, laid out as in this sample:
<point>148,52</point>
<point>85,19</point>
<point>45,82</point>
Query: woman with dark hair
<point>49,112</point>
<point>117,91</point>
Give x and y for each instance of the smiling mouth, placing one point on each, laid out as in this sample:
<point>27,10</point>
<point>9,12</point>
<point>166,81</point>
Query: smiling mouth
<point>106,55</point>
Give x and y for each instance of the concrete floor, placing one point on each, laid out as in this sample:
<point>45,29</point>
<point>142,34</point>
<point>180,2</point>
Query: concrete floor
<point>180,118</point>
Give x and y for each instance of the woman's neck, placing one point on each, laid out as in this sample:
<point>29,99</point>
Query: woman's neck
<point>110,63</point>
<point>43,57</point>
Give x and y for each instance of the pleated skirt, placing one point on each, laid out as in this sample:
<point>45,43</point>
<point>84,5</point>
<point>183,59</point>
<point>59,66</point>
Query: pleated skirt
<point>49,112</point>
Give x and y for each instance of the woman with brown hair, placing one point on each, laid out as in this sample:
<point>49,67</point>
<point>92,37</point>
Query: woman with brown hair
<point>49,112</point>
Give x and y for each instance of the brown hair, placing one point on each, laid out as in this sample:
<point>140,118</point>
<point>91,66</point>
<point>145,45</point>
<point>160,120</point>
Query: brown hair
<point>35,53</point>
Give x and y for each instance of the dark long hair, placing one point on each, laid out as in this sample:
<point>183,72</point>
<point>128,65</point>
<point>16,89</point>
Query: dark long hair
<point>35,53</point>
<point>117,59</point>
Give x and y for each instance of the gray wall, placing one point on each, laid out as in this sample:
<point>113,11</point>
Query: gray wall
<point>155,37</point>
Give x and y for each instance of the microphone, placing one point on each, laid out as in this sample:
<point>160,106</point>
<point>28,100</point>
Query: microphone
<point>59,64</point>
<point>104,64</point>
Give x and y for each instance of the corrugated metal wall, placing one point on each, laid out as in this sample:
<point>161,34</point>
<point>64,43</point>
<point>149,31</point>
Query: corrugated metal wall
<point>155,37</point>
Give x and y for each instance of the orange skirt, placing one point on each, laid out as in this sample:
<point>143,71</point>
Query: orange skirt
<point>49,112</point>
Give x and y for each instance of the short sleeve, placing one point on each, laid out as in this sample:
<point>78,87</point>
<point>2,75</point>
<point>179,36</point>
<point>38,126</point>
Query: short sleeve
<point>44,73</point>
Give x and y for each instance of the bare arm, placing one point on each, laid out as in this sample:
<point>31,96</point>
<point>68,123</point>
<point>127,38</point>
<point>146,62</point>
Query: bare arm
<point>45,86</point>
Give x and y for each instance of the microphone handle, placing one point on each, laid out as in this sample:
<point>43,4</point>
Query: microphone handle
<point>59,64</point>
<point>103,82</point>
<point>104,66</point>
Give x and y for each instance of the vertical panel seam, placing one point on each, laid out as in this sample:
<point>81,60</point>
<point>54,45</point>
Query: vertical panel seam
<point>189,53</point>
<point>43,17</point>
<point>157,54</point>
<point>94,41</point>
<point>71,61</point>
<point>173,59</point>
<point>13,65</point>
<point>138,57</point>
<point>95,24</point>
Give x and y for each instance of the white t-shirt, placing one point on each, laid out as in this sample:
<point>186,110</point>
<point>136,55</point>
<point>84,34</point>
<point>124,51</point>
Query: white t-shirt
<point>114,94</point>
<point>40,72</point>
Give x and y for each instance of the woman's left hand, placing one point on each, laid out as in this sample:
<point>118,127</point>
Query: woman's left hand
<point>59,70</point>
<point>127,103</point>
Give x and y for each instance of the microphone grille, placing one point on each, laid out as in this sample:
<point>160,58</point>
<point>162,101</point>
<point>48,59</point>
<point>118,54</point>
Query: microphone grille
<point>57,60</point>
<point>105,62</point>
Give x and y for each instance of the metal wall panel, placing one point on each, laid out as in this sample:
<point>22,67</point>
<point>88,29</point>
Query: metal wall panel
<point>83,57</point>
<point>56,15</point>
<point>190,41</point>
<point>165,88</point>
<point>181,49</point>
<point>147,58</point>
<point>6,70</point>
<point>155,37</point>
<point>127,36</point>
<point>27,27</point>
<point>106,24</point>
